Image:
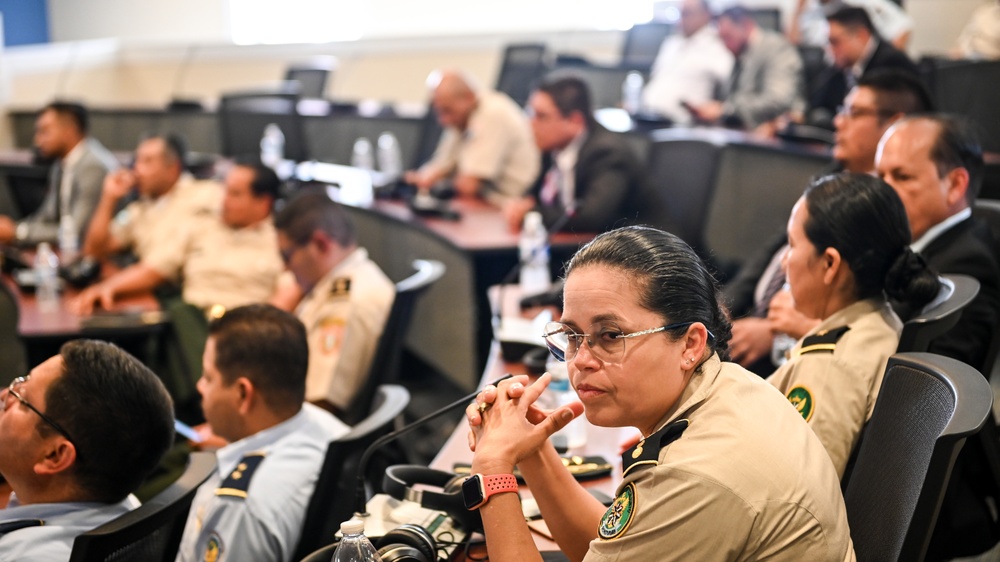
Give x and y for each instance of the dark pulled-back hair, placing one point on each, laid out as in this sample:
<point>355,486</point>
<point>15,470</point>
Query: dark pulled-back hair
<point>266,345</point>
<point>311,210</point>
<point>672,280</point>
<point>569,94</point>
<point>119,414</point>
<point>864,219</point>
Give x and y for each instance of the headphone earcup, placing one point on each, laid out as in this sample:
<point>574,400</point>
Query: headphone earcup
<point>455,484</point>
<point>409,543</point>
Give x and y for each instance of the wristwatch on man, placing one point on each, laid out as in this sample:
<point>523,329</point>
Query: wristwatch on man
<point>477,489</point>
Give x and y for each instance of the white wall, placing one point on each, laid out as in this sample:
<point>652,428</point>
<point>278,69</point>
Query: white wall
<point>139,20</point>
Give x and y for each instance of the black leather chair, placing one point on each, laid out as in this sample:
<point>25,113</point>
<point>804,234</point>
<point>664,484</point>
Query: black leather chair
<point>243,116</point>
<point>332,501</point>
<point>13,355</point>
<point>928,405</point>
<point>642,44</point>
<point>522,66</point>
<point>151,532</point>
<point>385,365</point>
<point>922,329</point>
<point>324,554</point>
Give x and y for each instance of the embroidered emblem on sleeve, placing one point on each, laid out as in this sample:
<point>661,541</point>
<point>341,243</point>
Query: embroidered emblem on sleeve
<point>618,517</point>
<point>214,548</point>
<point>331,334</point>
<point>802,399</point>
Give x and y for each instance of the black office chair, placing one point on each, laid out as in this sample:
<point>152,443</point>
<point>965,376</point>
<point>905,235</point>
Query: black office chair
<point>311,79</point>
<point>243,116</point>
<point>324,554</point>
<point>385,365</point>
<point>13,355</point>
<point>963,87</point>
<point>332,501</point>
<point>151,532</point>
<point>988,211</point>
<point>922,329</point>
<point>928,405</point>
<point>642,44</point>
<point>522,66</point>
<point>767,18</point>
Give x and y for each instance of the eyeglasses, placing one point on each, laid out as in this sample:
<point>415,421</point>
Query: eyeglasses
<point>606,339</point>
<point>856,112</point>
<point>12,390</point>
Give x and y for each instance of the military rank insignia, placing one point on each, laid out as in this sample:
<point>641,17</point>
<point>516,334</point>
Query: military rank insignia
<point>618,517</point>
<point>341,287</point>
<point>802,399</point>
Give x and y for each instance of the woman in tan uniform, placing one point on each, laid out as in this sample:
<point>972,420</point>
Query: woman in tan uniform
<point>725,470</point>
<point>849,247</point>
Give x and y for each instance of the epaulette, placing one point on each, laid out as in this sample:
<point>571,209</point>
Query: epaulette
<point>341,287</point>
<point>238,481</point>
<point>640,454</point>
<point>825,341</point>
<point>11,526</point>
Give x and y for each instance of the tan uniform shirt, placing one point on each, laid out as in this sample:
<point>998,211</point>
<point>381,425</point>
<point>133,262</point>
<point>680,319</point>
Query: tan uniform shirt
<point>497,146</point>
<point>746,480</point>
<point>344,315</point>
<point>147,223</point>
<point>219,265</point>
<point>834,384</point>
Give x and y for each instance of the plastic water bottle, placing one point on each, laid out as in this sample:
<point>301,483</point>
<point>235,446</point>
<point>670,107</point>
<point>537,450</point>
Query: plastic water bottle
<point>782,344</point>
<point>560,393</point>
<point>534,252</point>
<point>390,158</point>
<point>46,278</point>
<point>69,239</point>
<point>632,92</point>
<point>362,156</point>
<point>355,546</point>
<point>272,146</point>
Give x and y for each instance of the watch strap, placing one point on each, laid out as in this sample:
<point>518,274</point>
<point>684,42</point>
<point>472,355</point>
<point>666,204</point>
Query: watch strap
<point>498,484</point>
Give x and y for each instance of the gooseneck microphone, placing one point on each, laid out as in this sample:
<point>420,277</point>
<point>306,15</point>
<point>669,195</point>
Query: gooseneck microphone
<point>361,500</point>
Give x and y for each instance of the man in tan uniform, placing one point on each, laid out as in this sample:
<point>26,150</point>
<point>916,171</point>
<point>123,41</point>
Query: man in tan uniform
<point>221,260</point>
<point>347,297</point>
<point>487,148</point>
<point>168,198</point>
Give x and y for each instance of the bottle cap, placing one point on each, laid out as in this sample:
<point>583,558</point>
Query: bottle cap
<point>352,527</point>
<point>532,220</point>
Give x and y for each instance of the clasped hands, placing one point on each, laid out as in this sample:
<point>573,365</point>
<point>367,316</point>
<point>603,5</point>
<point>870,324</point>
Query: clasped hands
<point>506,426</point>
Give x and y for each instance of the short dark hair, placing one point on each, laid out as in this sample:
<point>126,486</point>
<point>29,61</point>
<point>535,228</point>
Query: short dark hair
<point>853,18</point>
<point>956,145</point>
<point>266,345</point>
<point>865,221</point>
<point>75,112</point>
<point>174,146</point>
<point>671,278</point>
<point>897,91</point>
<point>265,180</point>
<point>739,14</point>
<point>569,94</point>
<point>119,414</point>
<point>311,210</point>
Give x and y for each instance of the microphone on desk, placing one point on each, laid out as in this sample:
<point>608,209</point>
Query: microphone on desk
<point>452,504</point>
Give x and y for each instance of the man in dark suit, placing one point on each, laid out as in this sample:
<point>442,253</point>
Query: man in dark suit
<point>74,181</point>
<point>857,50</point>
<point>590,176</point>
<point>935,164</point>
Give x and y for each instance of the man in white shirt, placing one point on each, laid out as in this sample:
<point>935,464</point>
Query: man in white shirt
<point>690,67</point>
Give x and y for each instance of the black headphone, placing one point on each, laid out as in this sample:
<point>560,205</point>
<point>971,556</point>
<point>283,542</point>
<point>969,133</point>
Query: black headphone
<point>399,480</point>
<point>407,543</point>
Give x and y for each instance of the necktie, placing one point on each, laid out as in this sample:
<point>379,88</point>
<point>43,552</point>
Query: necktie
<point>774,285</point>
<point>550,187</point>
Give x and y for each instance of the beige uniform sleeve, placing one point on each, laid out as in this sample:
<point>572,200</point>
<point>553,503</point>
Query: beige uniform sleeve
<point>444,158</point>
<point>168,258</point>
<point>123,225</point>
<point>486,147</point>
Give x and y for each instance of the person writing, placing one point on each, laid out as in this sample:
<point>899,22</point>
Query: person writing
<point>848,247</point>
<point>645,340</point>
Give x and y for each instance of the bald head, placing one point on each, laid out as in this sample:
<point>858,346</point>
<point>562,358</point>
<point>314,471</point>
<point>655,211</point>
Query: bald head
<point>454,98</point>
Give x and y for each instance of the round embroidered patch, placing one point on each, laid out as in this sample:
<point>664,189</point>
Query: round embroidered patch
<point>618,517</point>
<point>214,548</point>
<point>802,399</point>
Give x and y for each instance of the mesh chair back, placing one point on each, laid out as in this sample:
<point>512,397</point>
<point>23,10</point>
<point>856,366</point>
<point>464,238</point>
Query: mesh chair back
<point>522,66</point>
<point>332,501</point>
<point>243,116</point>
<point>385,365</point>
<point>920,331</point>
<point>14,361</point>
<point>151,532</point>
<point>927,406</point>
<point>642,44</point>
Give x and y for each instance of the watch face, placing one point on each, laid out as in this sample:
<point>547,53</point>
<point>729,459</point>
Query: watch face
<point>473,491</point>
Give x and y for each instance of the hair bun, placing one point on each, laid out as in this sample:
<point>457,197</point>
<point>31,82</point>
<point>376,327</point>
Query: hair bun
<point>910,280</point>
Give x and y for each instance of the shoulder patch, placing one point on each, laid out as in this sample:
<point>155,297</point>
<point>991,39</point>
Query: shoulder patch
<point>802,399</point>
<point>238,481</point>
<point>618,517</point>
<point>341,287</point>
<point>214,548</point>
<point>825,341</point>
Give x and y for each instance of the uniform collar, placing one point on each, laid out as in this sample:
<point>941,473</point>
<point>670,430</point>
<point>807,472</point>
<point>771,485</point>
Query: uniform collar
<point>231,454</point>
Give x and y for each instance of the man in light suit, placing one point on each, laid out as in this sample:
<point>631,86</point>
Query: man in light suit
<point>766,81</point>
<point>74,181</point>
